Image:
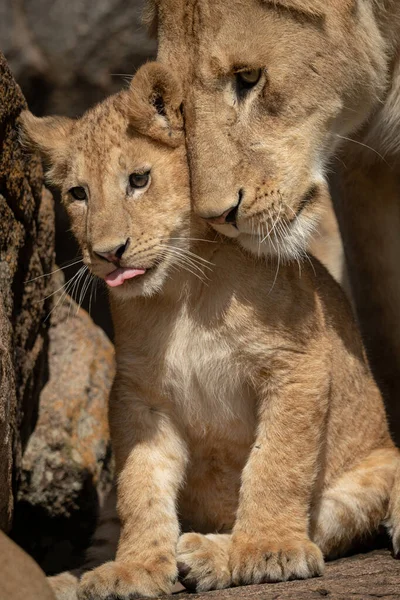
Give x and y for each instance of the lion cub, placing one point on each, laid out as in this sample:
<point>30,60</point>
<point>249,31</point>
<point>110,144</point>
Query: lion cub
<point>243,408</point>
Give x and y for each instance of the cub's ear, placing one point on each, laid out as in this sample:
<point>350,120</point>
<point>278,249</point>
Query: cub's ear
<point>48,135</point>
<point>150,17</point>
<point>154,104</point>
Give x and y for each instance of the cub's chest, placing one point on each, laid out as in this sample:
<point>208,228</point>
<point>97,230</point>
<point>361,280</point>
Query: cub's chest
<point>202,375</point>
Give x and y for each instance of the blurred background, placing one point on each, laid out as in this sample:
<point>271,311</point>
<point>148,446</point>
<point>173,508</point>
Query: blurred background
<point>67,55</point>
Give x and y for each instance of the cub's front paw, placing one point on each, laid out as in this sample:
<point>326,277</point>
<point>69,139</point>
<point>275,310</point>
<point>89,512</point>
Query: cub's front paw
<point>64,586</point>
<point>203,562</point>
<point>260,560</point>
<point>128,580</point>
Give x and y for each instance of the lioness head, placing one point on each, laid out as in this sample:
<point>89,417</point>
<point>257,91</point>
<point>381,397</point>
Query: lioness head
<point>123,174</point>
<point>271,89</point>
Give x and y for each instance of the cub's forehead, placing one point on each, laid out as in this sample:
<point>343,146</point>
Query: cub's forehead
<point>101,128</point>
<point>104,143</point>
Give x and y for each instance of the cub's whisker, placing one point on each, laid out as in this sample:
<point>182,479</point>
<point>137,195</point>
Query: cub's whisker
<point>65,266</point>
<point>67,286</point>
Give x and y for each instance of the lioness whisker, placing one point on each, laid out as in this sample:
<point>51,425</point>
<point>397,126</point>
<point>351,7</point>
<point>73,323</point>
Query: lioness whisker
<point>347,139</point>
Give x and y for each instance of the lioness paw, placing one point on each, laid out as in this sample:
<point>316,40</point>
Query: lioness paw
<point>203,562</point>
<point>128,580</point>
<point>260,561</point>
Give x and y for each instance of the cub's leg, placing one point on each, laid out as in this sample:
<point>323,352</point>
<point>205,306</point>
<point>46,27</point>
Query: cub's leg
<point>270,540</point>
<point>203,561</point>
<point>150,458</point>
<point>356,504</point>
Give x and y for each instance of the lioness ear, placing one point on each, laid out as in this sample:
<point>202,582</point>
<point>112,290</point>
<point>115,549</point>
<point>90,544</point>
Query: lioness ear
<point>48,135</point>
<point>154,104</point>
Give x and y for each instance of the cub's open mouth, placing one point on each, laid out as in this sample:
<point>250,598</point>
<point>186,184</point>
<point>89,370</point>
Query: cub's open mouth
<point>118,276</point>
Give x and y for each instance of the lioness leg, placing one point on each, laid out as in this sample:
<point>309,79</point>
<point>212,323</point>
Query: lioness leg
<point>356,504</point>
<point>150,458</point>
<point>367,199</point>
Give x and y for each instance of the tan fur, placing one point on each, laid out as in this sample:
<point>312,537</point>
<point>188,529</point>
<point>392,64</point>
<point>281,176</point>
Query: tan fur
<point>242,400</point>
<point>270,146</point>
<point>329,100</point>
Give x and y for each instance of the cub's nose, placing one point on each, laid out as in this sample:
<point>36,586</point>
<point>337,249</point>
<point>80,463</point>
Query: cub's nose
<point>113,255</point>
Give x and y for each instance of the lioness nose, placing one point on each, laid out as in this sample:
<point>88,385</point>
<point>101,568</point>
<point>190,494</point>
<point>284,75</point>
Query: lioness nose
<point>113,255</point>
<point>228,216</point>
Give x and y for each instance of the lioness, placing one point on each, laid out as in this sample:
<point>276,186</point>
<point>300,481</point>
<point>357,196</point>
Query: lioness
<point>242,408</point>
<point>277,94</point>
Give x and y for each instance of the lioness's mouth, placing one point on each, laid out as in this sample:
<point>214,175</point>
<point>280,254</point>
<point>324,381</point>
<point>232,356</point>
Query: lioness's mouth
<point>120,275</point>
<point>308,198</point>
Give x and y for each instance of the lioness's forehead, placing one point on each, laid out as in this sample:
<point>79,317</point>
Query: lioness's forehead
<point>220,35</point>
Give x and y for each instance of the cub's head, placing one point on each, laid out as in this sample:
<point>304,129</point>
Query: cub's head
<point>123,175</point>
<point>271,88</point>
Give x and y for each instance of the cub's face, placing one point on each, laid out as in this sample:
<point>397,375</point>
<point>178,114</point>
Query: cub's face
<point>126,192</point>
<point>272,87</point>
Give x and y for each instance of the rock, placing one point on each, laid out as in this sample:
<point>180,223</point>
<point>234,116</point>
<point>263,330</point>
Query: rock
<point>21,578</point>
<point>360,577</point>
<point>26,253</point>
<point>66,468</point>
<point>68,55</point>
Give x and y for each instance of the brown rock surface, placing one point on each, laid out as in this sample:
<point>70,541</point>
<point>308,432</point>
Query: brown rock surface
<point>360,577</point>
<point>26,252</point>
<point>66,468</point>
<point>21,578</point>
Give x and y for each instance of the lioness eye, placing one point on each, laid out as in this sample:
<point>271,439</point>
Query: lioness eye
<point>248,79</point>
<point>139,180</point>
<point>78,193</point>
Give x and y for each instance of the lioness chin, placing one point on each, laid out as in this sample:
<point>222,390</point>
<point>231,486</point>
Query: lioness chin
<point>243,412</point>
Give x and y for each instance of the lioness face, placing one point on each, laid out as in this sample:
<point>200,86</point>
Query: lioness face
<point>126,192</point>
<point>268,97</point>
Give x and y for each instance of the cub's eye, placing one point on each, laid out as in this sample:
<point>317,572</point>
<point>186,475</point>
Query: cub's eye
<point>139,180</point>
<point>78,193</point>
<point>248,79</point>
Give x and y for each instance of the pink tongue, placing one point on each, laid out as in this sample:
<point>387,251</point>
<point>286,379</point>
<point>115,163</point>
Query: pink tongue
<point>118,276</point>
